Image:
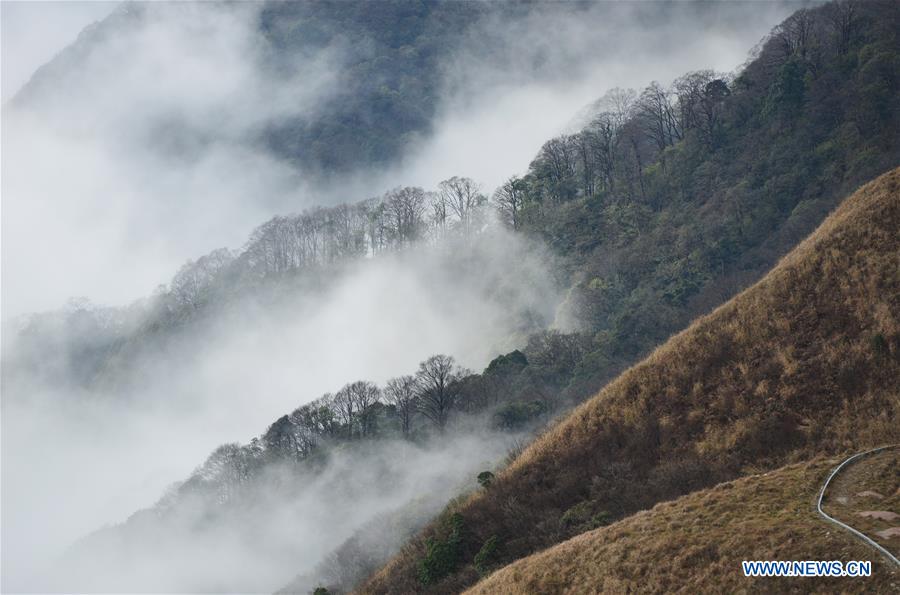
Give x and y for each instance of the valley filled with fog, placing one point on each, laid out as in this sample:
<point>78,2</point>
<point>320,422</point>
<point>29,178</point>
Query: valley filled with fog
<point>148,144</point>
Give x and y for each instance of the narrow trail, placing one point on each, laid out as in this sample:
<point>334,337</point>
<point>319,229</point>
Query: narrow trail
<point>833,520</point>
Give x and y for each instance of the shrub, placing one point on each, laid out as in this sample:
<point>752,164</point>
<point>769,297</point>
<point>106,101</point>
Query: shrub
<point>582,517</point>
<point>442,556</point>
<point>485,479</point>
<point>601,519</point>
<point>518,414</point>
<point>879,344</point>
<point>486,557</point>
<point>577,515</point>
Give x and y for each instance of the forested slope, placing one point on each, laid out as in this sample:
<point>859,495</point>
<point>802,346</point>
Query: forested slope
<point>803,363</point>
<point>674,198</point>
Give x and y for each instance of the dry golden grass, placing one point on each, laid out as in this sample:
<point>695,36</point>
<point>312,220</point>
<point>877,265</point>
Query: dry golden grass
<point>696,544</point>
<point>872,484</point>
<point>805,362</point>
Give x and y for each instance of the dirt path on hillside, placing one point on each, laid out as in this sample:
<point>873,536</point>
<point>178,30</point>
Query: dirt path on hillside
<point>866,496</point>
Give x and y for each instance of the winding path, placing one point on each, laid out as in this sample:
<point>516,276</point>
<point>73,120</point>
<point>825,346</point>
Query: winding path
<point>833,520</point>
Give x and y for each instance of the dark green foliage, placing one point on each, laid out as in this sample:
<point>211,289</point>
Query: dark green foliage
<point>663,225</point>
<point>601,519</point>
<point>442,556</point>
<point>787,92</point>
<point>485,479</point>
<point>486,559</point>
<point>582,517</point>
<point>879,344</point>
<point>517,415</point>
<point>391,52</point>
<point>576,515</point>
<point>321,591</point>
<point>505,364</point>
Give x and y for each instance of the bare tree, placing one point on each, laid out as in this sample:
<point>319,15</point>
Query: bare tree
<point>509,199</point>
<point>620,104</point>
<point>700,95</point>
<point>794,35</point>
<point>345,406</point>
<point>556,163</point>
<point>282,440</point>
<point>401,393</point>
<point>315,420</point>
<point>604,139</point>
<point>585,142</point>
<point>437,214</point>
<point>193,280</point>
<point>377,228</point>
<point>437,390</point>
<point>842,18</point>
<point>364,395</point>
<point>404,209</point>
<point>463,198</point>
<point>324,416</point>
<point>659,116</point>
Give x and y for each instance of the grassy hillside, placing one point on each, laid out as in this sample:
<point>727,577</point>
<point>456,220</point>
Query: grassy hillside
<point>806,361</point>
<point>866,496</point>
<point>696,544</point>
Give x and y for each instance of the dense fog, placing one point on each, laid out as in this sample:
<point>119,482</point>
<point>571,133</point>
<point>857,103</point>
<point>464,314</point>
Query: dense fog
<point>114,176</point>
<point>139,157</point>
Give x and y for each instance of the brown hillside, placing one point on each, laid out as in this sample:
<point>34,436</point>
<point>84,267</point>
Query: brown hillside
<point>807,361</point>
<point>696,544</point>
<point>866,496</point>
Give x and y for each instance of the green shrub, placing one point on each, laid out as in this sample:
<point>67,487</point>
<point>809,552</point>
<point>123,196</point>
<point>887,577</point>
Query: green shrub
<point>578,515</point>
<point>518,414</point>
<point>485,479</point>
<point>582,517</point>
<point>442,556</point>
<point>879,344</point>
<point>601,519</point>
<point>486,558</point>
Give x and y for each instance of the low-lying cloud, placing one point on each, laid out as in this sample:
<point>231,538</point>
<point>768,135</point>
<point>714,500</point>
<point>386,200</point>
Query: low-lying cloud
<point>105,453</point>
<point>108,190</point>
<point>517,83</point>
<point>149,158</point>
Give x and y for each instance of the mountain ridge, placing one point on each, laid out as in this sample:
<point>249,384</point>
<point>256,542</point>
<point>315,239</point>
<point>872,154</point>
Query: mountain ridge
<point>697,543</point>
<point>803,362</point>
<point>681,222</point>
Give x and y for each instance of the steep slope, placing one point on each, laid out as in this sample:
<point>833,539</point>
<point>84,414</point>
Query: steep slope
<point>657,230</point>
<point>696,545</point>
<point>804,362</point>
<point>866,496</point>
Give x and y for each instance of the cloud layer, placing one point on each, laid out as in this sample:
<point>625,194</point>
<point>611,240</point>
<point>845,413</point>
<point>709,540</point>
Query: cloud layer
<point>107,190</point>
<point>147,158</point>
